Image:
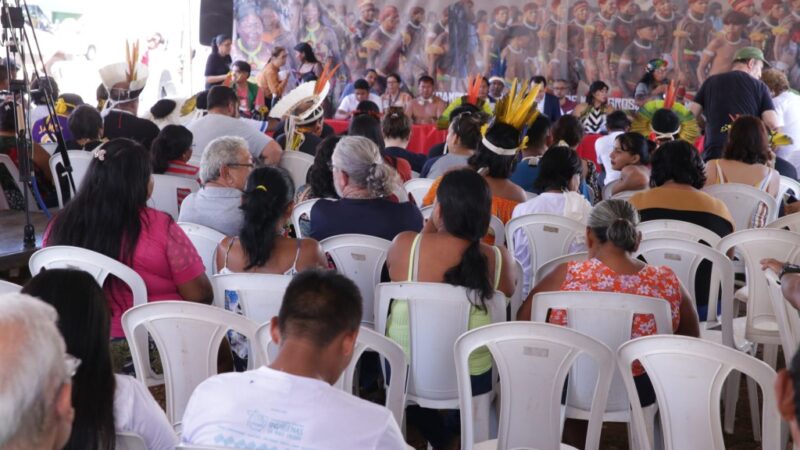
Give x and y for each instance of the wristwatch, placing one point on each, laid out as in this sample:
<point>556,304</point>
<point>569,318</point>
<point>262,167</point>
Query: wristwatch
<point>788,268</point>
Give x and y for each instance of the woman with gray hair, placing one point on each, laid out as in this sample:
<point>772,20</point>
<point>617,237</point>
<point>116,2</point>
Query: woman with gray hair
<point>611,238</point>
<point>365,185</point>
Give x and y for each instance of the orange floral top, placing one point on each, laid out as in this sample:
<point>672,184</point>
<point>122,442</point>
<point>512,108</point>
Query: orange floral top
<point>651,281</point>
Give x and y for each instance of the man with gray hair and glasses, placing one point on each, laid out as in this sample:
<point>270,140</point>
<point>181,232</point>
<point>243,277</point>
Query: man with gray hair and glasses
<point>35,376</point>
<point>224,168</point>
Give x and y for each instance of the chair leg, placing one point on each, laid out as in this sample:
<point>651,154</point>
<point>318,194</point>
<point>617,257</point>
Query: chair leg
<point>771,355</point>
<point>731,398</point>
<point>755,415</point>
<point>481,405</point>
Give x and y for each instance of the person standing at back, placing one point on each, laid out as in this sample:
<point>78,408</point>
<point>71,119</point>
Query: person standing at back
<point>725,96</point>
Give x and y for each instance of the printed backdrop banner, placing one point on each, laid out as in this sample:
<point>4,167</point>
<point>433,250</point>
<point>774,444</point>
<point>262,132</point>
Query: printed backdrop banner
<point>575,40</point>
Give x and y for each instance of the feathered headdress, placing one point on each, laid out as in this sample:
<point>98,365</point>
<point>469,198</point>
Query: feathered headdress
<point>516,109</point>
<point>473,89</point>
<point>688,129</point>
<point>125,81</point>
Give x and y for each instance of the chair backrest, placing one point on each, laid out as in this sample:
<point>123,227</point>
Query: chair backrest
<point>607,317</point>
<point>205,241</point>
<point>5,160</point>
<point>684,258</point>
<point>426,211</point>
<point>549,266</point>
<point>298,211</point>
<point>625,195</point>
<point>519,295</point>
<point>753,246</point>
<point>787,316</point>
<point>687,376</point>
<point>129,441</point>
<point>259,294</point>
<point>790,222</point>
<point>297,164</point>
<point>80,161</point>
<point>789,186</point>
<point>548,236</point>
<point>530,412</point>
<point>188,336</point>
<point>677,229</point>
<point>607,190</point>
<point>165,192</point>
<point>360,258</point>
<point>7,287</point>
<point>497,228</point>
<point>199,447</point>
<point>432,379</point>
<point>418,187</point>
<point>743,201</point>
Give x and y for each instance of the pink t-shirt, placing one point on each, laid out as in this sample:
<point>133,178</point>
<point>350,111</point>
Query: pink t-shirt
<point>164,257</point>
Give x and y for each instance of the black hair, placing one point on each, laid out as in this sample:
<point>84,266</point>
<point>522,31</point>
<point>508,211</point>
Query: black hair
<point>648,78</point>
<point>465,203</point>
<point>84,322</point>
<point>595,87</point>
<point>267,194</point>
<point>556,169</point>
<point>368,126</point>
<point>467,108</point>
<point>85,122</point>
<point>243,66</point>
<point>307,51</point>
<point>677,161</point>
<point>319,306</point>
<point>105,216</point>
<point>635,144</point>
<point>367,107</point>
<point>202,100</point>
<point>665,121</point>
<point>217,41</point>
<point>503,136</point>
<point>8,111</point>
<point>361,84</point>
<point>794,374</point>
<point>426,79</point>
<point>320,175</point>
<point>41,87</point>
<point>569,129</point>
<point>308,76</point>
<point>221,97</point>
<point>170,144</point>
<point>538,79</point>
<point>537,131</point>
<point>748,141</point>
<point>467,127</point>
<point>617,121</point>
<point>163,108</point>
<point>396,124</point>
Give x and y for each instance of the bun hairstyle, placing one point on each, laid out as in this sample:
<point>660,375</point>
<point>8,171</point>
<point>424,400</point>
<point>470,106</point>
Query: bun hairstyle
<point>267,195</point>
<point>396,124</point>
<point>497,166</point>
<point>615,220</point>
<point>170,144</point>
<point>556,169</point>
<point>360,158</point>
<point>467,127</point>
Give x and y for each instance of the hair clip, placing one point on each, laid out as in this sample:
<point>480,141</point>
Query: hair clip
<point>100,154</point>
<point>261,187</point>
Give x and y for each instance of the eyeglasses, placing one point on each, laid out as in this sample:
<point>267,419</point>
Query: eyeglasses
<point>71,365</point>
<point>250,165</point>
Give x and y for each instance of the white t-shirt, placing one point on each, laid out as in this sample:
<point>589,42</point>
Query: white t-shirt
<point>136,411</point>
<point>212,126</point>
<point>787,108</point>
<point>603,147</point>
<point>349,103</point>
<point>548,203</point>
<point>265,408</point>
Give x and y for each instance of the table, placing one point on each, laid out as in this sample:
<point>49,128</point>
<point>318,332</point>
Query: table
<point>12,253</point>
<point>422,138</point>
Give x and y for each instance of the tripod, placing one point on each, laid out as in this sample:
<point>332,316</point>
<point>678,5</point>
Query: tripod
<point>17,42</point>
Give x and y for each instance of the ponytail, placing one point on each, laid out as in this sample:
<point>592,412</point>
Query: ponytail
<point>267,195</point>
<point>472,272</point>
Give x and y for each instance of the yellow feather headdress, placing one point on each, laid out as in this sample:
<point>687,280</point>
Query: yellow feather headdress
<point>516,109</point>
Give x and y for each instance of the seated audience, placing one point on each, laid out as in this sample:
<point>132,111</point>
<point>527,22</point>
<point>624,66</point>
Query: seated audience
<point>44,130</point>
<point>527,169</point>
<point>477,98</point>
<point>631,157</point>
<point>463,137</point>
<point>617,123</point>
<point>109,215</point>
<point>396,127</point>
<point>319,180</point>
<point>307,133</point>
<point>171,150</point>
<point>350,103</point>
<point>438,150</point>
<point>251,97</point>
<point>316,329</point>
<point>224,169</point>
<point>567,131</point>
<point>42,88</point>
<point>449,250</point>
<point>86,126</point>
<point>611,238</point>
<point>547,103</point>
<point>393,97</point>
<point>364,182</point>
<point>592,113</point>
<point>35,377</point>
<point>559,175</point>
<point>104,403</point>
<point>369,126</point>
<point>120,118</point>
<point>371,77</point>
<point>223,120</point>
<point>427,107</point>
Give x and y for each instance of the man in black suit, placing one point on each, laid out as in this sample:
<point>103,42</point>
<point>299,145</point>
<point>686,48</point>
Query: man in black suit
<point>546,102</point>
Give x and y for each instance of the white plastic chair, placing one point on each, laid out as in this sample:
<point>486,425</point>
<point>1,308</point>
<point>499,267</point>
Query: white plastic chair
<point>426,212</point>
<point>360,258</point>
<point>165,192</point>
<point>80,161</point>
<point>519,295</point>
<point>260,294</point>
<point>625,195</point>
<point>129,441</point>
<point>188,337</point>
<point>7,287</point>
<point>789,186</point>
<point>530,413</point>
<point>787,316</point>
<point>549,266</point>
<point>5,160</point>
<point>205,241</point>
<point>607,193</point>
<point>437,315</point>
<point>297,164</point>
<point>497,228</point>
<point>742,201</point>
<point>199,447</point>
<point>299,210</point>
<point>548,236</point>
<point>790,222</point>
<point>677,229</point>
<point>607,317</point>
<point>687,376</point>
<point>418,187</point>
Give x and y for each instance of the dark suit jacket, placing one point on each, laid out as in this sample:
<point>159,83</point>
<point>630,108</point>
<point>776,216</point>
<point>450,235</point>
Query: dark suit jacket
<point>551,107</point>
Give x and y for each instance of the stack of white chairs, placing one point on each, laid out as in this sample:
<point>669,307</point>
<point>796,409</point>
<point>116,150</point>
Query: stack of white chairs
<point>205,241</point>
<point>165,193</point>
